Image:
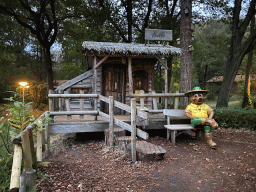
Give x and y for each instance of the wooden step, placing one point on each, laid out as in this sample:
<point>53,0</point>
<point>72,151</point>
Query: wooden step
<point>118,132</point>
<point>123,142</point>
<point>147,150</point>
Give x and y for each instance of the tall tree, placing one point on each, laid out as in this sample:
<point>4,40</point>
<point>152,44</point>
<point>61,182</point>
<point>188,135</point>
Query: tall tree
<point>247,102</point>
<point>238,49</point>
<point>186,56</point>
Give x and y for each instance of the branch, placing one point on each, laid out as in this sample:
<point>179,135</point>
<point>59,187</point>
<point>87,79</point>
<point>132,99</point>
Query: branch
<point>148,14</point>
<point>250,14</point>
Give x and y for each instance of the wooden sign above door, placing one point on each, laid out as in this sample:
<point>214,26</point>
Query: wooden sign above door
<point>158,35</point>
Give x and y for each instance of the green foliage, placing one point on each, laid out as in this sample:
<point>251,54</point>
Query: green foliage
<point>5,172</point>
<point>236,118</point>
<point>70,70</point>
<point>212,40</point>
<point>20,116</point>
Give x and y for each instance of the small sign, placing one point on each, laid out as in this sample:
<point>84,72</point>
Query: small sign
<point>158,35</point>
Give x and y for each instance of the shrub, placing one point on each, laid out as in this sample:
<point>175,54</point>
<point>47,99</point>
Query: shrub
<point>229,117</point>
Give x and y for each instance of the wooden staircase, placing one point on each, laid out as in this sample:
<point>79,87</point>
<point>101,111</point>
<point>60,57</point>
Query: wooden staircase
<point>145,150</point>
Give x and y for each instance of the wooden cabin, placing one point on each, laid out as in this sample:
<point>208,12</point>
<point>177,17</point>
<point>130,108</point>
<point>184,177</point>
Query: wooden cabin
<point>120,70</point>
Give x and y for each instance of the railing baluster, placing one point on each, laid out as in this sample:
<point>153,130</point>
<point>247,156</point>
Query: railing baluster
<point>133,133</point>
<point>111,121</point>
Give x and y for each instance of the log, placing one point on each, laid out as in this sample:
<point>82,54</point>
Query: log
<point>133,131</point>
<point>26,150</point>
<point>16,168</point>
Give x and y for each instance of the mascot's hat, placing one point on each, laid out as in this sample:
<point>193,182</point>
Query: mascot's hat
<point>196,89</point>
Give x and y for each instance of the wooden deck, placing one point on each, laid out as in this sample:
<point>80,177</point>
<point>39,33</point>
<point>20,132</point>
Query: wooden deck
<point>87,123</point>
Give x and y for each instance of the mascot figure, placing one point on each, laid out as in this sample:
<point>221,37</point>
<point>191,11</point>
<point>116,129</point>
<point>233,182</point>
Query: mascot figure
<point>201,114</point>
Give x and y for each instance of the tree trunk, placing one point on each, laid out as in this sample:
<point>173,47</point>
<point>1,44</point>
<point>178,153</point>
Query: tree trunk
<point>186,57</point>
<point>129,19</point>
<point>169,65</point>
<point>247,102</point>
<point>48,67</point>
<point>237,50</point>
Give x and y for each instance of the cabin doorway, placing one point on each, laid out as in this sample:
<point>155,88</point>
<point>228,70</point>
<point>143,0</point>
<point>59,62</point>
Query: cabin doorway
<point>114,84</point>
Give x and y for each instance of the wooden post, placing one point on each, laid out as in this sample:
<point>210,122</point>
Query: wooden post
<point>61,101</point>
<point>142,99</point>
<point>130,75</point>
<point>67,102</point>
<point>133,133</point>
<point>111,121</point>
<point>26,150</point>
<point>39,146</point>
<point>47,132</point>
<point>81,104</point>
<point>154,101</point>
<point>32,148</point>
<point>51,103</point>
<point>166,83</point>
<point>176,102</point>
<point>31,180</point>
<point>22,182</point>
<point>95,83</point>
<point>16,168</point>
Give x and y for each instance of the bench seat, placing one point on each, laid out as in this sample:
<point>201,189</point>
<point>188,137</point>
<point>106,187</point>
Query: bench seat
<point>172,129</point>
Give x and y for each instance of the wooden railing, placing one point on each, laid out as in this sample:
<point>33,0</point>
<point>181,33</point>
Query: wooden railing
<point>24,150</point>
<point>154,95</point>
<point>110,117</point>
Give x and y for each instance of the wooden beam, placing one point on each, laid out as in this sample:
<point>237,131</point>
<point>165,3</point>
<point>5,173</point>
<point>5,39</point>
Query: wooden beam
<point>158,95</point>
<point>130,75</point>
<point>55,113</point>
<point>166,83</point>
<point>82,86</point>
<point>140,133</point>
<point>101,61</point>
<point>125,107</point>
<point>75,80</point>
<point>78,127</point>
<point>73,95</point>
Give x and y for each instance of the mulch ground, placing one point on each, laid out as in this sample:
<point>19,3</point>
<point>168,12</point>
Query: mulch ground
<point>190,165</point>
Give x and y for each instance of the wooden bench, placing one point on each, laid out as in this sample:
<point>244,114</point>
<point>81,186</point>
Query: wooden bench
<point>172,129</point>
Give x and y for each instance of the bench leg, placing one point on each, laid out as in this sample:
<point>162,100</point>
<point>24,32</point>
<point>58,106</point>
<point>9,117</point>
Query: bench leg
<point>168,134</point>
<point>173,136</point>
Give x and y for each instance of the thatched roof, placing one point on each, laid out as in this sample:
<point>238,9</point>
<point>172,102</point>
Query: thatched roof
<point>130,48</point>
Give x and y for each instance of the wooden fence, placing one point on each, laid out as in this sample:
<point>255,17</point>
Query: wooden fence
<point>24,150</point>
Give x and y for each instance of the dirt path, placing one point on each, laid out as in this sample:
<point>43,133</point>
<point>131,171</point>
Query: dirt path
<point>189,166</point>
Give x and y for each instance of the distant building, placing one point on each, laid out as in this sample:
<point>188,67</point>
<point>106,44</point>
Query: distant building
<point>214,84</point>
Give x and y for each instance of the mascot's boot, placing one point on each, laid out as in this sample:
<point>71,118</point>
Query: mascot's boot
<point>209,140</point>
